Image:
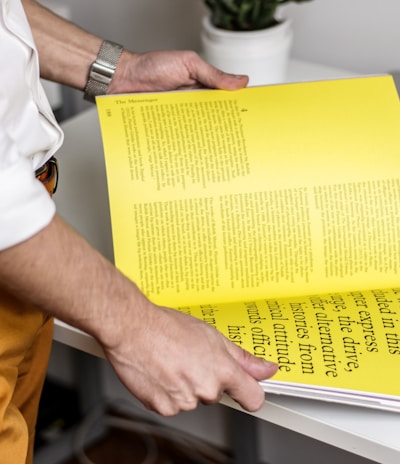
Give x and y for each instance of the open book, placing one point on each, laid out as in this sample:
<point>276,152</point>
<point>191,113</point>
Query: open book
<point>272,213</point>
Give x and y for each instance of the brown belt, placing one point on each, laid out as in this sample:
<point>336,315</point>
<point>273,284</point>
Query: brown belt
<point>48,175</point>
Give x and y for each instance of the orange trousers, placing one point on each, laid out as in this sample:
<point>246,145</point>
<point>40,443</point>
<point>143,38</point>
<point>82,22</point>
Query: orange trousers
<point>25,345</point>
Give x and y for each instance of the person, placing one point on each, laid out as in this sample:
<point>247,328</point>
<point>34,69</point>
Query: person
<point>47,270</point>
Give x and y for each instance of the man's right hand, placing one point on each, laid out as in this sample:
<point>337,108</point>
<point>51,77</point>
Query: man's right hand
<point>170,361</point>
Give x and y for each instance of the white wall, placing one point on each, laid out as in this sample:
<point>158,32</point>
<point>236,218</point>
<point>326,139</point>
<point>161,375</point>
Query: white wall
<point>359,35</point>
<point>142,24</point>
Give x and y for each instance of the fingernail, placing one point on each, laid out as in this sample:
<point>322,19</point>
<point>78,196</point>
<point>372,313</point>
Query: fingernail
<point>271,365</point>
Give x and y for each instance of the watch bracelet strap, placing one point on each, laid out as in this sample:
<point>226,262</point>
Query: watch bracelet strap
<point>102,70</point>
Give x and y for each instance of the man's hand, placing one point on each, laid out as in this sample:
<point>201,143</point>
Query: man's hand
<point>67,51</point>
<point>172,361</point>
<point>169,70</point>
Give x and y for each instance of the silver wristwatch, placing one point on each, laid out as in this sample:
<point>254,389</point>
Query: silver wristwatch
<point>102,70</point>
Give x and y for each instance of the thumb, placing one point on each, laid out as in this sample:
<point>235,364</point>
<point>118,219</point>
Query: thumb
<point>225,81</point>
<point>258,368</point>
<point>231,81</point>
<point>214,78</point>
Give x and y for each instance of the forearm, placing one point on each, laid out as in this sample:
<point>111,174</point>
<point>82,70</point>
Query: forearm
<point>66,51</point>
<point>59,272</point>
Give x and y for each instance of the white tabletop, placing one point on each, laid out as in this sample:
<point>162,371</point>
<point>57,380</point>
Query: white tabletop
<point>82,200</point>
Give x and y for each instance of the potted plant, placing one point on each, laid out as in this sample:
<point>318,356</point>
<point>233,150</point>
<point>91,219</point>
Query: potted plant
<point>247,37</point>
<point>245,15</point>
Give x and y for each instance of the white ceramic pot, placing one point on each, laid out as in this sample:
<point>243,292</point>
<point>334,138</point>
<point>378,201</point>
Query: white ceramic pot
<point>262,55</point>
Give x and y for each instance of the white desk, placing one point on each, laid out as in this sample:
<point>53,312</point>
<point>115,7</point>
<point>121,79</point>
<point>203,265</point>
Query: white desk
<point>82,201</point>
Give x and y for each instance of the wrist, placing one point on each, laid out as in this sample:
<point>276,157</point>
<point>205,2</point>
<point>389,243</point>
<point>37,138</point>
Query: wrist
<point>102,70</point>
<point>122,81</point>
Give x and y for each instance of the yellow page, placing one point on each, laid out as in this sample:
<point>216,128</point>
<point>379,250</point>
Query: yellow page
<point>263,192</point>
<point>347,340</point>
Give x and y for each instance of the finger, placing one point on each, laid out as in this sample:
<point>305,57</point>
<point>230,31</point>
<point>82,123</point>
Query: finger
<point>165,401</point>
<point>215,78</point>
<point>211,77</point>
<point>216,399</point>
<point>246,391</point>
<point>228,81</point>
<point>258,368</point>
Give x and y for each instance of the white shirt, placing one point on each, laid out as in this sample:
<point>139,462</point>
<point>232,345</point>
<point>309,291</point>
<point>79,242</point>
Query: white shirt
<point>29,133</point>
